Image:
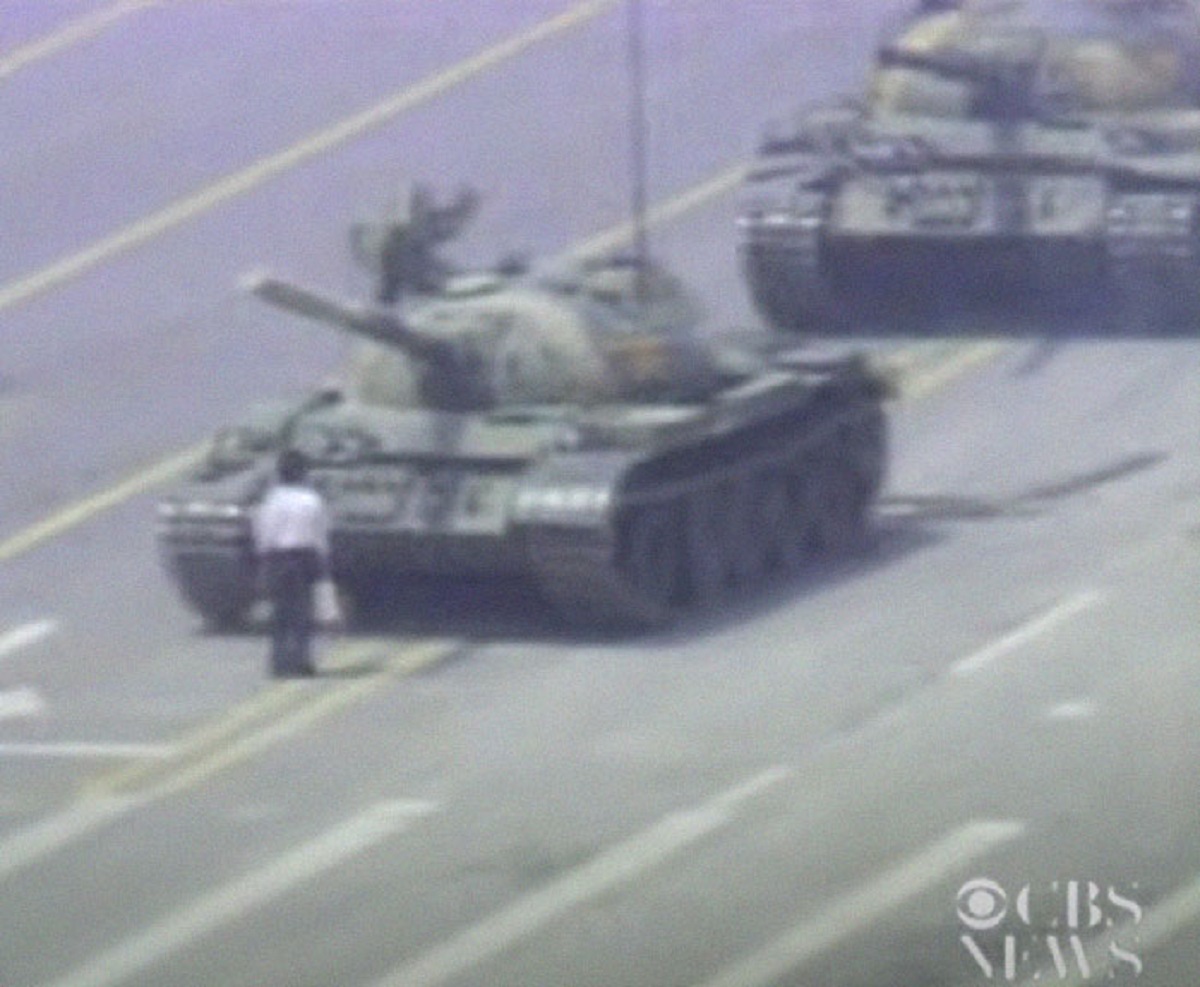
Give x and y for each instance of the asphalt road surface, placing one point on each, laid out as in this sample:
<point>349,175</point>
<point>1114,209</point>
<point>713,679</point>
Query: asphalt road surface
<point>970,756</point>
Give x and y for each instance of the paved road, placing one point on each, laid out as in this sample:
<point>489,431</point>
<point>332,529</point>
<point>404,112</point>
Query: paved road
<point>791,790</point>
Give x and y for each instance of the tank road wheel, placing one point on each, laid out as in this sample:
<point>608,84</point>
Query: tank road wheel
<point>837,508</point>
<point>704,546</point>
<point>758,505</point>
<point>733,534</point>
<point>368,599</point>
<point>870,443</point>
<point>229,617</point>
<point>650,560</point>
<point>772,518</point>
<point>796,537</point>
<point>227,610</point>
<point>224,602</point>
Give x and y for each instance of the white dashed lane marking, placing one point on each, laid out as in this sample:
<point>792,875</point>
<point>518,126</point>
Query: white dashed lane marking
<point>619,865</point>
<point>22,702</point>
<point>867,904</point>
<point>25,636</point>
<point>222,905</point>
<point>1073,709</point>
<point>1058,614</point>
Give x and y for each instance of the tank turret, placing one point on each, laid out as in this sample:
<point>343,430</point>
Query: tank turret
<point>604,330</point>
<point>1033,159</point>
<point>1040,59</point>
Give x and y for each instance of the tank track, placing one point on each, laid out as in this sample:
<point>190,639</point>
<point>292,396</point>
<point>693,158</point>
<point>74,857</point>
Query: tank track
<point>759,507</point>
<point>219,583</point>
<point>1153,260</point>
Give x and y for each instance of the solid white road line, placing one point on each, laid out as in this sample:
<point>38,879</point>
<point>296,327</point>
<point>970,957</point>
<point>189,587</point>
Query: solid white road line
<point>25,701</point>
<point>84,748</point>
<point>281,162</point>
<point>1058,614</point>
<point>616,866</point>
<point>25,635</point>
<point>220,906</point>
<point>866,904</point>
<point>1073,709</point>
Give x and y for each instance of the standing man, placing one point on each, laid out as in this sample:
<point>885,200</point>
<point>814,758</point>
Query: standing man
<point>291,535</point>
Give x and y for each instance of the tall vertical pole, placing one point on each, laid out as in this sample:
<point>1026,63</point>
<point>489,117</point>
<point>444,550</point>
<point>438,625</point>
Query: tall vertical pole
<point>637,126</point>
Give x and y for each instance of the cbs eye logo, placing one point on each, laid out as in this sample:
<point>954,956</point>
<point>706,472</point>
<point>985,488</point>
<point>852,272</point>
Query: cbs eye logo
<point>982,904</point>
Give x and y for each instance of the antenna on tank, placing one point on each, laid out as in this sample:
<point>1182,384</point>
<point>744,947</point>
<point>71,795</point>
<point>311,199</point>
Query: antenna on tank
<point>637,127</point>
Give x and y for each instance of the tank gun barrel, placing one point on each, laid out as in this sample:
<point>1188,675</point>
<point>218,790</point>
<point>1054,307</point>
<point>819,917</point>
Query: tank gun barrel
<point>373,323</point>
<point>992,68</point>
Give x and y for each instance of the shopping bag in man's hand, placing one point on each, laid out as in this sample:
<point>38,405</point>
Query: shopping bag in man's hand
<point>327,608</point>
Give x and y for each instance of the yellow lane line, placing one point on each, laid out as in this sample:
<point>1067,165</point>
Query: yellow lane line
<point>679,205</point>
<point>72,33</point>
<point>918,385</point>
<point>280,713</point>
<point>77,513</point>
<point>276,164</point>
<point>208,736</point>
<point>323,704</point>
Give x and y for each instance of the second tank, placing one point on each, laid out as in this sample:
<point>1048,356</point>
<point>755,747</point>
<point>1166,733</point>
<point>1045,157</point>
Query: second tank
<point>1020,158</point>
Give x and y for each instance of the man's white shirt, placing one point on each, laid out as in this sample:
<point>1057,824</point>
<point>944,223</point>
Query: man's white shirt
<point>291,517</point>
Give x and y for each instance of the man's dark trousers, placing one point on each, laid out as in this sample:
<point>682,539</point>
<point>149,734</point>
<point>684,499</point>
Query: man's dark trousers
<point>290,576</point>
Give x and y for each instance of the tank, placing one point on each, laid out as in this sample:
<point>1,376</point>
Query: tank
<point>563,427</point>
<point>1025,158</point>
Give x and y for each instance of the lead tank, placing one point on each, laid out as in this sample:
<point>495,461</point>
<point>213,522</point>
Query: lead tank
<point>565,428</point>
<point>1017,157</point>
